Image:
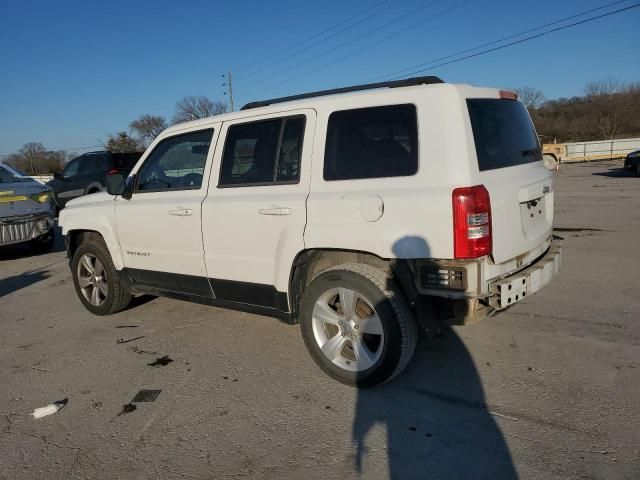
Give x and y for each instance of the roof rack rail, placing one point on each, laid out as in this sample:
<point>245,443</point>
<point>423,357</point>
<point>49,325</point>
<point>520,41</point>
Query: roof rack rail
<point>355,88</point>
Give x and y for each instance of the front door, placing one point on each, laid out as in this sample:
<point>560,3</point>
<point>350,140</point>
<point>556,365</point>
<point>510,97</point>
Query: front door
<point>254,216</point>
<point>159,227</point>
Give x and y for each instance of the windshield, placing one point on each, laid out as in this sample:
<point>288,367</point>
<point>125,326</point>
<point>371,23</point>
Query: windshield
<point>10,175</point>
<point>503,133</point>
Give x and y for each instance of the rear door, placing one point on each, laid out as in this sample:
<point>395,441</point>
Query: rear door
<point>510,164</point>
<point>254,216</point>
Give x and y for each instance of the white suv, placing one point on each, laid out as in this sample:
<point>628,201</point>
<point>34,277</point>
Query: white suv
<point>361,213</point>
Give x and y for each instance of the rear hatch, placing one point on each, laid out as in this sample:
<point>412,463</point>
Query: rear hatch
<point>511,168</point>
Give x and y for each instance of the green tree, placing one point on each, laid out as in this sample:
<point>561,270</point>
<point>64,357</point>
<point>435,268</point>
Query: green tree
<point>122,142</point>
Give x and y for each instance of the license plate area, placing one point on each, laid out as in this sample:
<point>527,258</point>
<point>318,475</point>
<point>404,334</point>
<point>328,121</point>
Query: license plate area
<point>514,288</point>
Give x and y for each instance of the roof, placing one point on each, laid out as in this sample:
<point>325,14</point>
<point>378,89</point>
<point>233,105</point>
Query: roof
<point>309,99</point>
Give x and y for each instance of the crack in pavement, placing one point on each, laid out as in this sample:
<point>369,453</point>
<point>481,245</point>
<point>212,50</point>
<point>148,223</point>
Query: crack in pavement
<point>43,438</point>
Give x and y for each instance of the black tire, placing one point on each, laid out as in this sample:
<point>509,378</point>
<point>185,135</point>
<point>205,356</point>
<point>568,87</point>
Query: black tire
<point>44,243</point>
<point>118,295</point>
<point>398,325</point>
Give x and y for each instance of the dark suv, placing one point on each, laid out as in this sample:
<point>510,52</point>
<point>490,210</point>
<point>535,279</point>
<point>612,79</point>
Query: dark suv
<point>87,174</point>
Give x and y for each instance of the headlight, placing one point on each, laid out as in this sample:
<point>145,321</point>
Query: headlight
<point>43,197</point>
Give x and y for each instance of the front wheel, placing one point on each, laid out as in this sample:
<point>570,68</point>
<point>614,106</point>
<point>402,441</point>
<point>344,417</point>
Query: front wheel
<point>96,279</point>
<point>356,325</point>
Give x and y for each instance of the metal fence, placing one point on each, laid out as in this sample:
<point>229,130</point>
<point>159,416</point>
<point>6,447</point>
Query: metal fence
<point>600,149</point>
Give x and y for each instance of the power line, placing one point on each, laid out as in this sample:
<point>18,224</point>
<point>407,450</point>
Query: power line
<point>370,45</point>
<point>349,42</point>
<point>311,37</point>
<point>526,39</point>
<point>297,52</point>
<point>462,52</point>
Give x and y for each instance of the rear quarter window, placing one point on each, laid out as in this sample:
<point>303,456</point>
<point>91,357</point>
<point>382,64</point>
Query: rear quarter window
<point>503,133</point>
<point>373,142</point>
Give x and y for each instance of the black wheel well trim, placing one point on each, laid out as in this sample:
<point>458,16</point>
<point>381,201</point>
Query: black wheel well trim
<point>75,238</point>
<point>303,271</point>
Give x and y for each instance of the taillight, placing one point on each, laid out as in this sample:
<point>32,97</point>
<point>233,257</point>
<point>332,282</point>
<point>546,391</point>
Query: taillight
<point>471,222</point>
<point>113,171</point>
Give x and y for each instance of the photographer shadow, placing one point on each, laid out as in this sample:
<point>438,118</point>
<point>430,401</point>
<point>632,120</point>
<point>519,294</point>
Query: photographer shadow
<point>435,415</point>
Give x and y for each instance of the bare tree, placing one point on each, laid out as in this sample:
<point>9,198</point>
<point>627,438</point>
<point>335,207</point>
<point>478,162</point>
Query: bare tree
<point>34,159</point>
<point>192,108</point>
<point>122,142</point>
<point>602,95</point>
<point>601,88</point>
<point>148,127</point>
<point>530,96</point>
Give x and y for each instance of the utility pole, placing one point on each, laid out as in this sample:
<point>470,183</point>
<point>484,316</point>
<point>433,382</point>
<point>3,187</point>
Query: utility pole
<point>229,86</point>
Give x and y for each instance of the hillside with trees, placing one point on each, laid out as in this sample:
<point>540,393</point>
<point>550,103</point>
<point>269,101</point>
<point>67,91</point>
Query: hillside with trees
<point>607,110</point>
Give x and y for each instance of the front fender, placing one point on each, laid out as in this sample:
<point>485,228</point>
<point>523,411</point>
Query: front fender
<point>98,219</point>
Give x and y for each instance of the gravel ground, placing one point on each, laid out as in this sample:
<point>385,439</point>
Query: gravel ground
<point>548,389</point>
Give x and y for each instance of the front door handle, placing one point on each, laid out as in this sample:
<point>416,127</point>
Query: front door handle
<point>275,211</point>
<point>182,212</point>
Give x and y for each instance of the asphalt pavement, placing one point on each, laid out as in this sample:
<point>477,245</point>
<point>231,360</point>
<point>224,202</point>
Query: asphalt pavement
<point>546,390</point>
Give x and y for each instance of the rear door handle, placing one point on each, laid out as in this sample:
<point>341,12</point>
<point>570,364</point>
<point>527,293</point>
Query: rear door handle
<point>182,212</point>
<point>275,211</point>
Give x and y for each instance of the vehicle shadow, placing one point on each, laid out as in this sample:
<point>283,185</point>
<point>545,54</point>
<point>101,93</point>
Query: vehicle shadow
<point>615,173</point>
<point>17,282</point>
<point>437,422</point>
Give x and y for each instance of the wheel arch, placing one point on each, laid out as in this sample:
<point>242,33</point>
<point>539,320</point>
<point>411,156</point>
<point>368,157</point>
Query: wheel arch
<point>309,263</point>
<point>93,187</point>
<point>77,236</point>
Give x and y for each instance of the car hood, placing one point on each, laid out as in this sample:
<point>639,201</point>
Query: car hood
<point>100,197</point>
<point>15,199</point>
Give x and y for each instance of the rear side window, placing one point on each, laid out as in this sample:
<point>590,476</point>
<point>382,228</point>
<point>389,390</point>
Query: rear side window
<point>100,163</point>
<point>503,133</point>
<point>372,143</point>
<point>263,153</point>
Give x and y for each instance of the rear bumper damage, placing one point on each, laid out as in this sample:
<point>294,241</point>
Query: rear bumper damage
<point>512,289</point>
<point>479,287</point>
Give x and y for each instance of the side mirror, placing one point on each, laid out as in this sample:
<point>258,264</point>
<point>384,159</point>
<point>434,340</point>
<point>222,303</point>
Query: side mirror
<point>115,184</point>
<point>57,175</point>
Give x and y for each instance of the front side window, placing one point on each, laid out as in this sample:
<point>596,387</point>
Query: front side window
<point>176,163</point>
<point>372,143</point>
<point>263,152</point>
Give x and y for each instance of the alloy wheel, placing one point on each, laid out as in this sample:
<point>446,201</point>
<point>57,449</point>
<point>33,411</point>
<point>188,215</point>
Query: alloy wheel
<point>92,279</point>
<point>347,329</point>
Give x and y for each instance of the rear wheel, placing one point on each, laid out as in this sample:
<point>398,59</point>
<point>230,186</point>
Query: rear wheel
<point>357,326</point>
<point>96,280</point>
